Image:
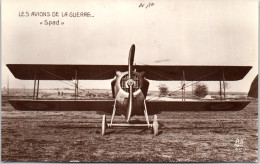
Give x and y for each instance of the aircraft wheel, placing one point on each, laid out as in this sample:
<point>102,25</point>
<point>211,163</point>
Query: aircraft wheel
<point>104,125</point>
<point>155,125</point>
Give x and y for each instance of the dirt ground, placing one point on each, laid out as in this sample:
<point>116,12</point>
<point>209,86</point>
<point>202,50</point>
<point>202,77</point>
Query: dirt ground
<point>183,137</point>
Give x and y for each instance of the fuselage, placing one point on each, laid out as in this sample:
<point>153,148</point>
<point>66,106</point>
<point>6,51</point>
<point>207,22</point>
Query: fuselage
<point>120,90</point>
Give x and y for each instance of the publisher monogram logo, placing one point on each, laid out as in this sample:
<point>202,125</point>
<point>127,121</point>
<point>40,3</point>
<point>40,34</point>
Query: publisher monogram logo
<point>239,145</point>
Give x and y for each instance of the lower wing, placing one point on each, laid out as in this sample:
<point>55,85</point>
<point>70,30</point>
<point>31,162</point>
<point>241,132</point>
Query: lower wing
<point>154,107</point>
<point>63,105</point>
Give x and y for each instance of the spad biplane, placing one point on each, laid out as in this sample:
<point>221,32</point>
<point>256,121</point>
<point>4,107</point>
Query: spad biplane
<point>129,89</point>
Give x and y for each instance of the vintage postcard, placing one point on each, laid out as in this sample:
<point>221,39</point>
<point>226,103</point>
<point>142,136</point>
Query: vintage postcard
<point>129,81</point>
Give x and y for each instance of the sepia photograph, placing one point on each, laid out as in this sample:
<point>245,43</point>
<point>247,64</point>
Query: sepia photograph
<point>129,81</point>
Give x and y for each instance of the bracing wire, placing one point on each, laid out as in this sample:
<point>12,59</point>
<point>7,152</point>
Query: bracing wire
<point>72,83</point>
<point>62,80</point>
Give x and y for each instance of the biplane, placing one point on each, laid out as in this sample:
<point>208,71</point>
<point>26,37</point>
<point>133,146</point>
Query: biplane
<point>129,89</point>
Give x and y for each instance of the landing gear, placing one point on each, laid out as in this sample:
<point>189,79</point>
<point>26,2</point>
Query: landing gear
<point>104,125</point>
<point>155,126</point>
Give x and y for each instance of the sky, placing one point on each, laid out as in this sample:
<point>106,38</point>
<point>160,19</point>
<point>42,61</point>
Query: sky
<point>176,32</point>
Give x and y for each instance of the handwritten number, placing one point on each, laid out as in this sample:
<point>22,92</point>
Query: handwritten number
<point>141,5</point>
<point>146,6</point>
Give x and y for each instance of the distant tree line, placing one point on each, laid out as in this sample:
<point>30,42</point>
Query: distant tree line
<point>200,90</point>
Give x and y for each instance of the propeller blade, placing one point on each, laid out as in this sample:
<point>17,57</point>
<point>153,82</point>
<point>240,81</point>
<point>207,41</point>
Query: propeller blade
<point>131,61</point>
<point>130,82</point>
<point>130,103</point>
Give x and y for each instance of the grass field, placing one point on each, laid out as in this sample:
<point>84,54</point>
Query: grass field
<point>183,137</point>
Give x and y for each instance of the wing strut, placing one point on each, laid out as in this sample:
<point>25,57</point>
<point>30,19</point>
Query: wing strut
<point>224,86</point>
<point>220,89</point>
<point>183,85</point>
<point>76,84</point>
<point>34,86</point>
<point>37,93</point>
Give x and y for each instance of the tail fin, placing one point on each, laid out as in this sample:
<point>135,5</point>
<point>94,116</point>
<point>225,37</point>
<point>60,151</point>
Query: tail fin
<point>253,91</point>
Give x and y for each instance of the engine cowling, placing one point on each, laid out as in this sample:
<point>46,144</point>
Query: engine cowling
<point>137,82</point>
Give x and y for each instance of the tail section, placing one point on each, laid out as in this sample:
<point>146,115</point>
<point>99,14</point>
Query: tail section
<point>253,91</point>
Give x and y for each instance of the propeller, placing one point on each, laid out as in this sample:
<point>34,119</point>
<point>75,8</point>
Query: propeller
<point>130,82</point>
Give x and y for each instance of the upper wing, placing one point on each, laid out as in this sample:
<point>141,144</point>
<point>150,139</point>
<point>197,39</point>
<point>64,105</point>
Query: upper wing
<point>103,72</point>
<point>195,73</point>
<point>62,72</point>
